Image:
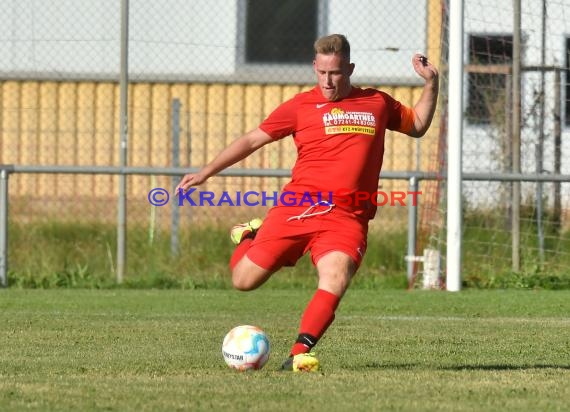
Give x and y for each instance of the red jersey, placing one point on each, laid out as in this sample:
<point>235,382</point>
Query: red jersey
<point>340,144</point>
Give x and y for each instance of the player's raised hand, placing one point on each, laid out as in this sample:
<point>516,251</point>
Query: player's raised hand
<point>423,67</point>
<point>189,180</point>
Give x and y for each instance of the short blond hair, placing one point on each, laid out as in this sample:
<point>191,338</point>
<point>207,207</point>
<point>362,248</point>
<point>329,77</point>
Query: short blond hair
<point>333,44</point>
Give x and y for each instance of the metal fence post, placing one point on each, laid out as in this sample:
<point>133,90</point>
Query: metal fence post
<point>4,174</point>
<point>175,221</point>
<point>516,137</point>
<point>124,94</point>
<point>412,226</point>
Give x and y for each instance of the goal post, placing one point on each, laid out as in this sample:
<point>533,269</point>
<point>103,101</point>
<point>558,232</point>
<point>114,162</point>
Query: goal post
<point>455,138</point>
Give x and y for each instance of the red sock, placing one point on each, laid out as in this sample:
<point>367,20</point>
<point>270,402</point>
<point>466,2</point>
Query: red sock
<point>316,319</point>
<point>239,251</point>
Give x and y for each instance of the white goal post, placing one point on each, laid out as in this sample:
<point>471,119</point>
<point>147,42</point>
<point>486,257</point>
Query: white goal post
<point>455,137</point>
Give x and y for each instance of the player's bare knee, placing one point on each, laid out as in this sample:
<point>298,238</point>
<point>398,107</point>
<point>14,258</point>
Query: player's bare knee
<point>245,277</point>
<point>334,280</point>
<point>242,283</point>
<point>239,280</point>
<point>244,287</point>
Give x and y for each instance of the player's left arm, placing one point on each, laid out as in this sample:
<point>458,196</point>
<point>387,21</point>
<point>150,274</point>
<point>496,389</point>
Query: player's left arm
<point>424,108</point>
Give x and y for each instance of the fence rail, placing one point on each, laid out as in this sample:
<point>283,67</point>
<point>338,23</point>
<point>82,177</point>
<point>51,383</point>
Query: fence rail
<point>174,85</point>
<point>413,177</point>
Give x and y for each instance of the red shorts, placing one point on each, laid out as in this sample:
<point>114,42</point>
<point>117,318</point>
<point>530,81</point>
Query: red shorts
<point>280,242</point>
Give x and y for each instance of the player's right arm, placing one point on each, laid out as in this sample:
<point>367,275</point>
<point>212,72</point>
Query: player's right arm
<point>238,150</point>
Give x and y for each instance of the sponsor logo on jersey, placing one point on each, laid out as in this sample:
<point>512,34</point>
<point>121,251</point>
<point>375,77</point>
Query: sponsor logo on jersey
<point>338,121</point>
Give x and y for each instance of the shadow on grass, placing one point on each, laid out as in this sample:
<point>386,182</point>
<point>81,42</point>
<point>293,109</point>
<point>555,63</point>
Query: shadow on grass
<point>504,367</point>
<point>501,367</point>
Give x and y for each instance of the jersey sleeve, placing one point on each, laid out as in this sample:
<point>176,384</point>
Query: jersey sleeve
<point>402,116</point>
<point>282,121</point>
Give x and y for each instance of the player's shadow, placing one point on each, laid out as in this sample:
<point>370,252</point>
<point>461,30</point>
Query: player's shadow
<point>503,367</point>
<point>492,367</point>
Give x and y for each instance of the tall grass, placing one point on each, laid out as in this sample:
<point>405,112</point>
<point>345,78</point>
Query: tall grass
<point>487,247</point>
<point>83,255</point>
<point>55,254</point>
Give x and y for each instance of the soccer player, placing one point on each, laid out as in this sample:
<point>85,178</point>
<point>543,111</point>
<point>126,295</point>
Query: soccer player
<point>338,130</point>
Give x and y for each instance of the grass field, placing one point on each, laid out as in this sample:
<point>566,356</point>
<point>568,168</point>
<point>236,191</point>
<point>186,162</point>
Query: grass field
<point>159,350</point>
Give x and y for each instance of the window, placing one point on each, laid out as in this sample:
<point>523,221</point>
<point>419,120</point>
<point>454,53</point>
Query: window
<point>487,86</point>
<point>280,31</point>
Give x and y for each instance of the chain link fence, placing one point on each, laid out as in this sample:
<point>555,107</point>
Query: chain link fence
<point>227,63</point>
<point>516,186</point>
<point>203,72</point>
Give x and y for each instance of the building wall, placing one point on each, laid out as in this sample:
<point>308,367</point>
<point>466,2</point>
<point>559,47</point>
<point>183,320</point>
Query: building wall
<point>77,123</point>
<point>51,118</point>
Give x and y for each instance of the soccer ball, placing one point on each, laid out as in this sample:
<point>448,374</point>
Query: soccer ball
<point>245,347</point>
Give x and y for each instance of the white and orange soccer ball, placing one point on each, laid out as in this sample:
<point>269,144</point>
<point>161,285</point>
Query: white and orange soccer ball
<point>246,347</point>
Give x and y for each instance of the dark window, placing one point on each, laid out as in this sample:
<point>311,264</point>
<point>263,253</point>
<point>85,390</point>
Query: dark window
<point>487,87</point>
<point>279,31</point>
<point>567,98</point>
